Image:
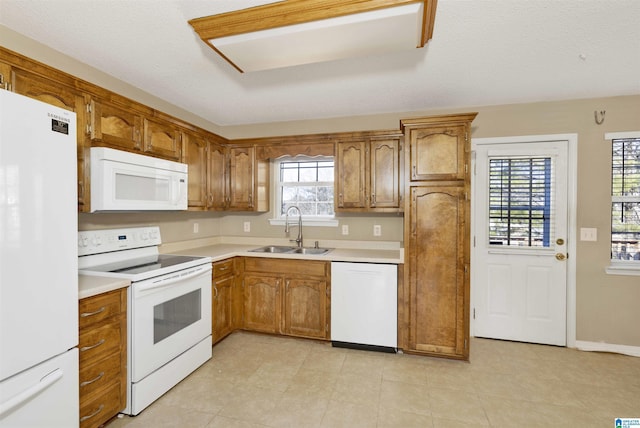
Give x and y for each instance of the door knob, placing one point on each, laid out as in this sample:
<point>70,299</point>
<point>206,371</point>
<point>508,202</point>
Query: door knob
<point>560,256</point>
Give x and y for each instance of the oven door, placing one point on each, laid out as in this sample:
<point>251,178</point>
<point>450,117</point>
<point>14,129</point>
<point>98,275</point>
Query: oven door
<point>169,314</point>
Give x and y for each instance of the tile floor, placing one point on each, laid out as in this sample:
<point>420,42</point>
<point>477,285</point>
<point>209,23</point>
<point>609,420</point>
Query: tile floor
<point>257,380</point>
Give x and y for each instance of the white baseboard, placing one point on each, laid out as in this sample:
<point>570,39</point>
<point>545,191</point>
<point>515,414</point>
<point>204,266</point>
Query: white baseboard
<point>633,351</point>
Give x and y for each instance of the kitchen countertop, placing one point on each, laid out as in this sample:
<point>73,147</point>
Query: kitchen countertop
<point>89,285</point>
<point>224,251</point>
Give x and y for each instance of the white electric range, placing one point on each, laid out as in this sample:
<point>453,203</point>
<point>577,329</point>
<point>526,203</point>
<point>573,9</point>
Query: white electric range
<point>169,307</point>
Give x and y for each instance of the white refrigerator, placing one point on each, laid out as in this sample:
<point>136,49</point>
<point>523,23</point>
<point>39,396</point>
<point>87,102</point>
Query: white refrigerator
<point>38,265</point>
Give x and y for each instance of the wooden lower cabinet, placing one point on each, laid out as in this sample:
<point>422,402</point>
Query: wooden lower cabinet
<point>262,302</point>
<point>223,290</point>
<point>305,308</point>
<point>438,286</point>
<point>287,297</point>
<point>103,357</point>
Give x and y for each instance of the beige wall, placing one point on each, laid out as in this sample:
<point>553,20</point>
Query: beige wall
<point>607,305</point>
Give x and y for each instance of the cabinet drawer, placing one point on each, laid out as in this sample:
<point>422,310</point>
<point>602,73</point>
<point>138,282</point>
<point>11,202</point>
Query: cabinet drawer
<point>101,407</point>
<point>96,376</point>
<point>97,308</point>
<point>99,342</point>
<point>222,268</point>
<point>286,267</point>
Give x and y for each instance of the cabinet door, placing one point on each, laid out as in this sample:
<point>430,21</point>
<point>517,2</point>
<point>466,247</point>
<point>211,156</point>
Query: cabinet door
<point>241,179</point>
<point>350,174</point>
<point>438,153</point>
<point>262,306</point>
<point>62,96</point>
<point>305,308</point>
<point>438,282</point>
<point>194,153</point>
<point>218,177</point>
<point>5,76</point>
<point>222,315</point>
<point>384,160</point>
<point>162,139</point>
<point>115,126</point>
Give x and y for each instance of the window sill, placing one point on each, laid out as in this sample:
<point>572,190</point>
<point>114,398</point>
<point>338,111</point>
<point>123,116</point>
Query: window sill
<point>623,269</point>
<point>322,222</point>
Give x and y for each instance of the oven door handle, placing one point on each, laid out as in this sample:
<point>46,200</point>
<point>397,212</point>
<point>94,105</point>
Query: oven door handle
<point>169,280</point>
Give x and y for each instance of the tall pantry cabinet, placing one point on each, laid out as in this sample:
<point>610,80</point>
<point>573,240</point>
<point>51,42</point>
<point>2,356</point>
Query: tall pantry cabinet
<point>436,235</point>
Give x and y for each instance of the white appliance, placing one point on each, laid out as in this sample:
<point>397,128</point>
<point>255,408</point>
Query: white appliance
<point>123,181</point>
<point>169,307</point>
<point>38,265</point>
<point>364,306</point>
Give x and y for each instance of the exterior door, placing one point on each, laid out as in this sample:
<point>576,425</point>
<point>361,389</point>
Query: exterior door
<point>520,241</point>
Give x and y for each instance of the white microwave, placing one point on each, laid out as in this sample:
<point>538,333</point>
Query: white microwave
<point>123,181</point>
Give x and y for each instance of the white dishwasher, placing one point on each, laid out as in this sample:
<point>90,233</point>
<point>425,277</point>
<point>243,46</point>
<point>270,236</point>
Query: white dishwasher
<point>364,306</point>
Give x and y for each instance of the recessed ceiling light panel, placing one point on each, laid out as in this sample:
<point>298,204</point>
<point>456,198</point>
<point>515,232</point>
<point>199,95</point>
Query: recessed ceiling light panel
<point>358,29</point>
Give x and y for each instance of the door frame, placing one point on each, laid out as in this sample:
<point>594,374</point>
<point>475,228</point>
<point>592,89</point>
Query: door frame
<point>572,193</point>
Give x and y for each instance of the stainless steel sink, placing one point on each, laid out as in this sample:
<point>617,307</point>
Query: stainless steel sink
<point>315,251</point>
<point>283,249</point>
<point>274,249</point>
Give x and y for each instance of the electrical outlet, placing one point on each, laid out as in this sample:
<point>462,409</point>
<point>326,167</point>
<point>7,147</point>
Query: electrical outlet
<point>377,230</point>
<point>247,226</point>
<point>196,227</point>
<point>345,229</point>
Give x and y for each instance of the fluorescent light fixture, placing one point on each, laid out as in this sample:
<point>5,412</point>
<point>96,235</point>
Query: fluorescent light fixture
<point>299,32</point>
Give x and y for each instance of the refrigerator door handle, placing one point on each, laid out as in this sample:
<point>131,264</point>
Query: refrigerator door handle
<point>30,392</point>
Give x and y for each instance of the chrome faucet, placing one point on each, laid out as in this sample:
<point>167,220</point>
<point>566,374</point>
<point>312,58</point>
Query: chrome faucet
<point>286,225</point>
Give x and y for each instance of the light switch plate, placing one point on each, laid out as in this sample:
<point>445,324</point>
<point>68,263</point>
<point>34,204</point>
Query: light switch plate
<point>588,234</point>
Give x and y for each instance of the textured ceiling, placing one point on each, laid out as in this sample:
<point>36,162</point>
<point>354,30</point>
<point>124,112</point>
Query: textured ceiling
<point>483,52</point>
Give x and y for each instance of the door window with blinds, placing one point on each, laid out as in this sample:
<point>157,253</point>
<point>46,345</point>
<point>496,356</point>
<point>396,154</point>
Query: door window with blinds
<point>625,199</point>
<point>521,202</point>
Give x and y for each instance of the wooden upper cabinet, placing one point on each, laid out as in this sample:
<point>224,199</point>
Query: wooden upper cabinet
<point>115,126</point>
<point>162,139</point>
<point>350,174</point>
<point>384,173</point>
<point>241,163</point>
<point>438,147</point>
<point>5,76</point>
<point>218,177</point>
<point>194,154</point>
<point>438,153</point>
<point>368,175</point>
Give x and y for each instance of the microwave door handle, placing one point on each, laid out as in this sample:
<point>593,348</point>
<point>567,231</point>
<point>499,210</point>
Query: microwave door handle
<point>171,280</point>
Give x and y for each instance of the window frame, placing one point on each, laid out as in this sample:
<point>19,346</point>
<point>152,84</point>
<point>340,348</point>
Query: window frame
<point>616,266</point>
<point>278,219</point>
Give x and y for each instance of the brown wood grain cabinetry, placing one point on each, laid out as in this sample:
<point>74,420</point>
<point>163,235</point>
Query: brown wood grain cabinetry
<point>114,126</point>
<point>194,154</point>
<point>287,297</point>
<point>368,174</point>
<point>223,284</point>
<point>437,270</point>
<point>218,178</point>
<point>162,139</point>
<point>437,251</point>
<point>235,179</point>
<point>103,357</point>
<point>438,152</point>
